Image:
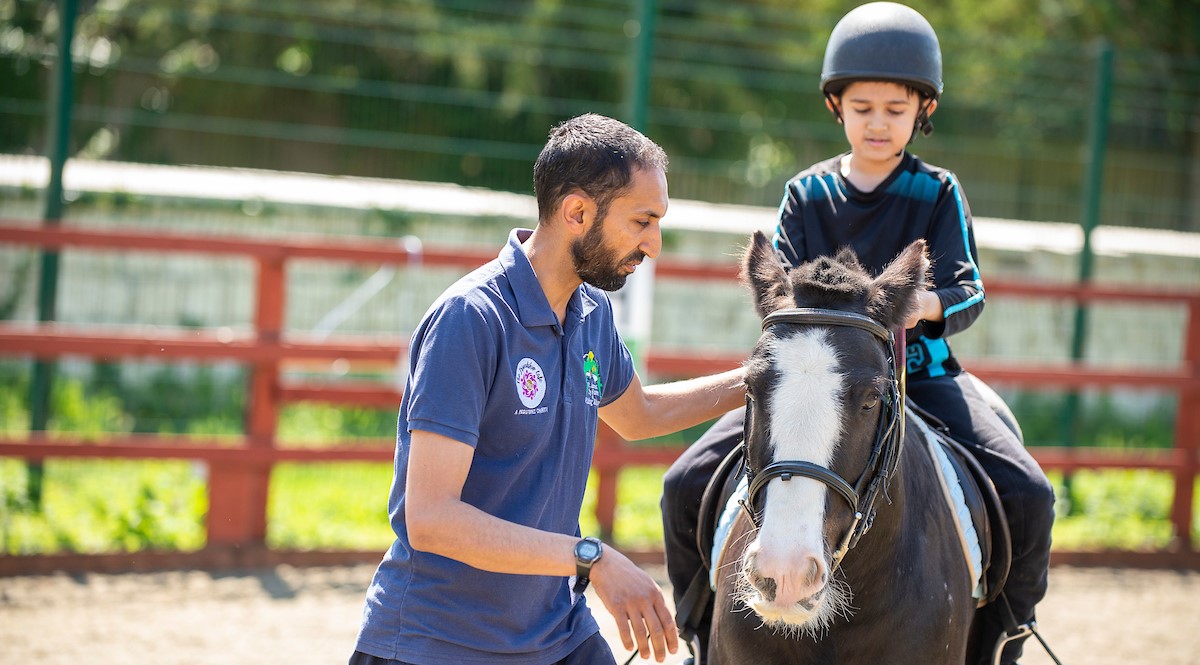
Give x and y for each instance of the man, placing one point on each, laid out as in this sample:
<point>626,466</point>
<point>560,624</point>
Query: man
<point>509,372</point>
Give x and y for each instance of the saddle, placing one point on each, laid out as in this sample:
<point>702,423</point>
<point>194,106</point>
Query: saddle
<point>969,492</point>
<point>980,518</point>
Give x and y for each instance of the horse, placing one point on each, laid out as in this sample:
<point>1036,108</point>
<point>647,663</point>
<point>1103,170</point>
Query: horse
<point>825,404</point>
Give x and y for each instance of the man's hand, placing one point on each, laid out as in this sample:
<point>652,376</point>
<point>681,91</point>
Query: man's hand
<point>636,602</point>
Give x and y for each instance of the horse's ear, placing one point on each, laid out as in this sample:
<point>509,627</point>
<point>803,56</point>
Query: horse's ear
<point>896,288</point>
<point>763,272</point>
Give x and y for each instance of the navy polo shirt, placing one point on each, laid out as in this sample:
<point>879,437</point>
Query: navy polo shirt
<point>491,366</point>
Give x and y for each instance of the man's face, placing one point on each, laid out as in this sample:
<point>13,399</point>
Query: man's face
<point>611,249</point>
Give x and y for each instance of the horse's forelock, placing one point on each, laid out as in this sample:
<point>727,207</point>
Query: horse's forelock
<point>830,282</point>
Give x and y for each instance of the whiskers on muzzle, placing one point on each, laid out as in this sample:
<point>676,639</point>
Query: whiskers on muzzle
<point>809,617</point>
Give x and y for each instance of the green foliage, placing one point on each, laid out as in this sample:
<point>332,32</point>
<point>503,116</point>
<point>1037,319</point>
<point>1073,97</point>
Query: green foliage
<point>1101,423</point>
<point>171,399</point>
<point>329,506</point>
<point>325,425</point>
<point>103,506</point>
<point>92,416</point>
<point>1126,510</point>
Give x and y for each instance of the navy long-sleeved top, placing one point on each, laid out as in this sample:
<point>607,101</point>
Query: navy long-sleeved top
<point>821,213</point>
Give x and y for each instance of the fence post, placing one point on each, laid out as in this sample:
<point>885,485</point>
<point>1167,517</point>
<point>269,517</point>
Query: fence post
<point>1187,434</point>
<point>237,492</point>
<point>608,467</point>
<point>1093,185</point>
<point>641,55</point>
<point>57,143</point>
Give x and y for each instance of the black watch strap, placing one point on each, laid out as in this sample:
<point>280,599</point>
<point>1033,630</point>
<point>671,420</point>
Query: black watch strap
<point>587,552</point>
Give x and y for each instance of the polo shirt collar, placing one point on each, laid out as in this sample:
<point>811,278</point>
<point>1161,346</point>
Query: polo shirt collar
<point>532,307</point>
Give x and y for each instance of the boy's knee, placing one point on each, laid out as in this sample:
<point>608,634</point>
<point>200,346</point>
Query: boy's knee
<point>1038,495</point>
<point>682,486</point>
<point>1036,501</point>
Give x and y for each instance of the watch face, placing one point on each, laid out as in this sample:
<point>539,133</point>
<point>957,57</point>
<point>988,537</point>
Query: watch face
<point>587,550</point>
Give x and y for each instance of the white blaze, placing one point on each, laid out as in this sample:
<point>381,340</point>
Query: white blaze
<point>805,426</point>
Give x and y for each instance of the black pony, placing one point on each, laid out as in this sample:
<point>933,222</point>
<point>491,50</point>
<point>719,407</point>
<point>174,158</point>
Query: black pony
<point>828,457</point>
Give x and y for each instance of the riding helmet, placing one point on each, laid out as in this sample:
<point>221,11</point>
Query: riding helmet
<point>883,41</point>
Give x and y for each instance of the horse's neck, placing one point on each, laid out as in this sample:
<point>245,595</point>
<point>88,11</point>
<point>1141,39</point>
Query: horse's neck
<point>902,511</point>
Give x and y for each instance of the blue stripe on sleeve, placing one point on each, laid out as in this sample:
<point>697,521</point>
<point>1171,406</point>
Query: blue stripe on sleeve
<point>966,238</point>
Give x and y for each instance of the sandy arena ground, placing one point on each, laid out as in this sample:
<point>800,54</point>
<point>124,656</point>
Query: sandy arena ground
<point>303,616</point>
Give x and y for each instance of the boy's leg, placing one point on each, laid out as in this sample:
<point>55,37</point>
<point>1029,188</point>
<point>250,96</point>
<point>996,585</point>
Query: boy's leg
<point>683,490</point>
<point>1026,494</point>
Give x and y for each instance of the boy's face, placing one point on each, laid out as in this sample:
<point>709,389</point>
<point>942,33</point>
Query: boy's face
<point>879,118</point>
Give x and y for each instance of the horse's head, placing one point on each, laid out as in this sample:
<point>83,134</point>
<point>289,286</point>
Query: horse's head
<point>822,389</point>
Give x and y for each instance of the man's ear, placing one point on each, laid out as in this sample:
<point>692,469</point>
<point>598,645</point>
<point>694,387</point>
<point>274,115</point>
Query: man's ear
<point>931,108</point>
<point>576,212</point>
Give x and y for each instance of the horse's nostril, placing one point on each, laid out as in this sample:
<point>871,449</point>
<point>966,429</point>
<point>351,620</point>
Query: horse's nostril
<point>818,575</point>
<point>765,586</point>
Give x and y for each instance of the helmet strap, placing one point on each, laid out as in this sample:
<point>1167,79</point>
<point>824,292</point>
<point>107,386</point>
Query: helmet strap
<point>833,103</point>
<point>923,124</point>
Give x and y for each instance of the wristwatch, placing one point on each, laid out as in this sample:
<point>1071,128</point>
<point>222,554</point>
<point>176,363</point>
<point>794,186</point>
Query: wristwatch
<point>587,552</point>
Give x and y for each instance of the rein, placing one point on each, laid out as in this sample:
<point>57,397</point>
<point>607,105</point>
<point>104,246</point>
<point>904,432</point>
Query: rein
<point>885,452</point>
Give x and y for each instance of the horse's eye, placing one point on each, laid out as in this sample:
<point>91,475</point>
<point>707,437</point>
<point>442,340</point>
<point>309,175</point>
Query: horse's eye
<point>870,402</point>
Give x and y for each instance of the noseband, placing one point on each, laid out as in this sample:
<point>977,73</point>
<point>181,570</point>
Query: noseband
<point>885,452</point>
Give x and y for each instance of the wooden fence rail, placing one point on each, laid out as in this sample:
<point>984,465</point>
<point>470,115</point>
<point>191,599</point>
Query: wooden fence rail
<point>239,470</point>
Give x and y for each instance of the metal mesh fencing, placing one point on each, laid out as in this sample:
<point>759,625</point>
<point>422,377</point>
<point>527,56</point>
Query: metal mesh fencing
<point>465,90</point>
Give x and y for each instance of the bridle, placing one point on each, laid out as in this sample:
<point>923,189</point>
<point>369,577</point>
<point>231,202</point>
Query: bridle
<point>885,452</point>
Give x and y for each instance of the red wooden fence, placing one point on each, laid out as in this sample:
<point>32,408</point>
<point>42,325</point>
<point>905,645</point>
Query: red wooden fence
<point>239,472</point>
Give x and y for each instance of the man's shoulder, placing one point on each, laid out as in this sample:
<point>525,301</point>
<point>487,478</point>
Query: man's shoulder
<point>479,292</point>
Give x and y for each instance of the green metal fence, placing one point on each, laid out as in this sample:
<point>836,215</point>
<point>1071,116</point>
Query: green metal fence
<point>464,91</point>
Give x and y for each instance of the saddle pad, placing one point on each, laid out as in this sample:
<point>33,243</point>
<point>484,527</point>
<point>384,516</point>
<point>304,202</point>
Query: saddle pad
<point>724,524</point>
<point>952,490</point>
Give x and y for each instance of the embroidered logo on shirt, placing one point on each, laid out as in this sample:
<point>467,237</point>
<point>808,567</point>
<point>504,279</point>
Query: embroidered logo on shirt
<point>591,379</point>
<point>531,385</point>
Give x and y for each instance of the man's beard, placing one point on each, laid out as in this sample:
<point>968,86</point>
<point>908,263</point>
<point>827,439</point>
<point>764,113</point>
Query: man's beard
<point>594,263</point>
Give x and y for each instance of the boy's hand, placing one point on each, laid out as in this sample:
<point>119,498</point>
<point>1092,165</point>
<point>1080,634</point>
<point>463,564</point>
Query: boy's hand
<point>636,602</point>
<point>929,308</point>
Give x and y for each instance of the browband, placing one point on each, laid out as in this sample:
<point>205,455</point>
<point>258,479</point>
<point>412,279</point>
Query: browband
<point>813,315</point>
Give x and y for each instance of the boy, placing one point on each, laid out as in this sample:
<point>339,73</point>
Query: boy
<point>881,78</point>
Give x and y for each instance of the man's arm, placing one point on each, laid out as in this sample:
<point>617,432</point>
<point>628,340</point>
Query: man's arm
<point>439,522</point>
<point>642,412</point>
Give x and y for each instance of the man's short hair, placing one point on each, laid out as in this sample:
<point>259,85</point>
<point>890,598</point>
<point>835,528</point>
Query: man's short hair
<point>593,154</point>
